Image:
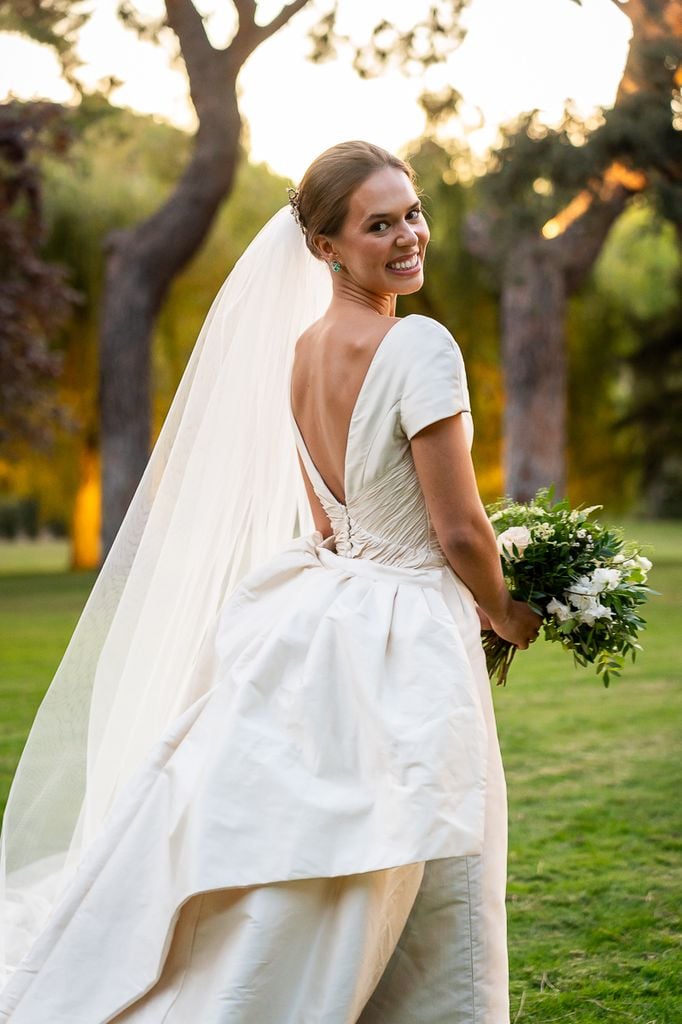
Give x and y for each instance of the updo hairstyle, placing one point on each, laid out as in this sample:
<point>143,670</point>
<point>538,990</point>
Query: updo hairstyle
<point>320,203</point>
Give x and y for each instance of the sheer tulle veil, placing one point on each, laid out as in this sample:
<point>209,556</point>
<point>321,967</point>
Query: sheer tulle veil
<point>222,492</point>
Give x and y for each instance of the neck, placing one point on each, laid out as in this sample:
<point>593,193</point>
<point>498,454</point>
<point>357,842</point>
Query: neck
<point>346,293</point>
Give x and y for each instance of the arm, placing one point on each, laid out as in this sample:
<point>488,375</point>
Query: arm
<point>446,475</point>
<point>320,517</point>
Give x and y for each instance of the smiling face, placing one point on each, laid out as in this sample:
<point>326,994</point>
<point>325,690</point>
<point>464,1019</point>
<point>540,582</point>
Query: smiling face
<point>382,242</point>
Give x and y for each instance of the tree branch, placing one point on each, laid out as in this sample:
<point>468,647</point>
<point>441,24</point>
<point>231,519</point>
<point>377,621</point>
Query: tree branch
<point>188,25</point>
<point>579,245</point>
<point>246,9</point>
<point>280,20</point>
<point>250,35</point>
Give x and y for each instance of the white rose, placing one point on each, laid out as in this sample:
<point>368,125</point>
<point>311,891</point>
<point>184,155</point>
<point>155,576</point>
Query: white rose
<point>583,602</point>
<point>561,611</point>
<point>585,585</point>
<point>596,611</point>
<point>519,536</point>
<point>608,578</point>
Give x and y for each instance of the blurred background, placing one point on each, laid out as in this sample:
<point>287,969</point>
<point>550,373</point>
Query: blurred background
<point>143,144</point>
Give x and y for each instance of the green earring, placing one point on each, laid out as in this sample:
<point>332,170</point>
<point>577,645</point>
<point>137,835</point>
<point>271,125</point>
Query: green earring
<point>336,266</point>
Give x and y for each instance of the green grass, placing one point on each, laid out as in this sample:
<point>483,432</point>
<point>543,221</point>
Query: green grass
<point>594,796</point>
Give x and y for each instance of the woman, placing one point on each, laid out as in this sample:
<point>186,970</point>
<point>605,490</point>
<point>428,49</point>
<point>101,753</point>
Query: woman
<point>265,785</point>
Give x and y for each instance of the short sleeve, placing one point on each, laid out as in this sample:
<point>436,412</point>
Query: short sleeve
<point>435,384</point>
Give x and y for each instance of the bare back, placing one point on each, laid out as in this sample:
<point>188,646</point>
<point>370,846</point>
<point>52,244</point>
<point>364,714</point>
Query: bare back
<point>331,361</point>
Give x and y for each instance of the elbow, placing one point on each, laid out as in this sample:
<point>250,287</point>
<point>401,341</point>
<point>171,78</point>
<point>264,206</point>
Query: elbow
<point>465,538</point>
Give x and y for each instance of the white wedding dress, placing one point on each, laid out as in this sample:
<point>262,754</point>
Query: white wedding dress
<point>321,837</point>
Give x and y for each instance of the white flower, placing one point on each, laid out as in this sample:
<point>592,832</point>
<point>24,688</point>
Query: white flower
<point>608,578</point>
<point>596,611</point>
<point>590,509</point>
<point>583,602</point>
<point>519,536</point>
<point>581,534</point>
<point>561,611</point>
<point>543,531</point>
<point>579,514</point>
<point>640,563</point>
<point>585,585</point>
<point>496,515</point>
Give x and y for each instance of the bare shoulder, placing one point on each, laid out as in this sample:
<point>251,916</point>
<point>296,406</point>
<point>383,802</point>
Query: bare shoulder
<point>309,334</point>
<point>343,338</point>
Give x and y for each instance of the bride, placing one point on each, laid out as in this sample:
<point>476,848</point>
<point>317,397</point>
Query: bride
<point>265,785</point>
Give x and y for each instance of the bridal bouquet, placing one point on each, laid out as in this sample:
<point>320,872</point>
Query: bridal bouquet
<point>582,577</point>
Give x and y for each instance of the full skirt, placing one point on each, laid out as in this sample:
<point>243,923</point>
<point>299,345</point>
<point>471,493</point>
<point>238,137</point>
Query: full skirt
<point>319,839</point>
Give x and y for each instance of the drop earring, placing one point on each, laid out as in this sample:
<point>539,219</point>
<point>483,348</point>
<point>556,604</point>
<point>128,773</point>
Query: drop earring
<point>335,265</point>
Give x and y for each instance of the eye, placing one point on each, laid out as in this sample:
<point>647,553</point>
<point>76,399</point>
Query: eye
<point>379,225</point>
<point>417,212</point>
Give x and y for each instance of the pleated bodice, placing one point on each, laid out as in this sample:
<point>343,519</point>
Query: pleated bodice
<point>416,375</point>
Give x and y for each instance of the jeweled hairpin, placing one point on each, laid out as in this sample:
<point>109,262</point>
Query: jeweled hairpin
<point>293,194</point>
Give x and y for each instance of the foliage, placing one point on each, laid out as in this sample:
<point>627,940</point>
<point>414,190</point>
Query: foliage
<point>640,266</point>
<point>35,298</point>
<point>54,23</point>
<point>580,576</point>
<point>420,44</point>
<point>118,167</point>
<point>655,410</point>
<point>637,269</point>
<point>639,277</point>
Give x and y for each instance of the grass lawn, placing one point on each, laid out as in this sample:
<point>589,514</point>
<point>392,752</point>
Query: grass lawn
<point>595,795</point>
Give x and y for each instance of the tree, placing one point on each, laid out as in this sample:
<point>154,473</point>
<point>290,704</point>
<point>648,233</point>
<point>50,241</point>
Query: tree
<point>119,164</point>
<point>54,23</point>
<point>640,277</point>
<point>35,297</point>
<point>143,261</point>
<point>548,201</point>
<point>540,262</point>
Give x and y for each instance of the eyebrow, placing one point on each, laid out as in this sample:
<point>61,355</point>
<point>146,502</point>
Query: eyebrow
<point>376,216</point>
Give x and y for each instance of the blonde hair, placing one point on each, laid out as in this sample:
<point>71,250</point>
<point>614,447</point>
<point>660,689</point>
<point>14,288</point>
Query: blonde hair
<point>322,198</point>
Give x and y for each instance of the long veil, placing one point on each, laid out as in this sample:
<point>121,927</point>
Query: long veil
<point>222,492</point>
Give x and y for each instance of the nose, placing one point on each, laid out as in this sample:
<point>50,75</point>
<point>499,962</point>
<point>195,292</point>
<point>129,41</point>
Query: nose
<point>407,235</point>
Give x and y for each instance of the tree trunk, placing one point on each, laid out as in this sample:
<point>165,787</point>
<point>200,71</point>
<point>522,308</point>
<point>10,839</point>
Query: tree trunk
<point>539,274</point>
<point>540,271</point>
<point>141,266</point>
<point>533,307</point>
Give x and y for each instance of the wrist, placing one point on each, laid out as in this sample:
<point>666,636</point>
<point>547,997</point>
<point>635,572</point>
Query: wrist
<point>500,609</point>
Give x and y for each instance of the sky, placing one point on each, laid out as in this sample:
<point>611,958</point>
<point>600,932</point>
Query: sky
<point>517,55</point>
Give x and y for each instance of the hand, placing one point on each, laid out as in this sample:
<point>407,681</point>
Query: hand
<point>520,625</point>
